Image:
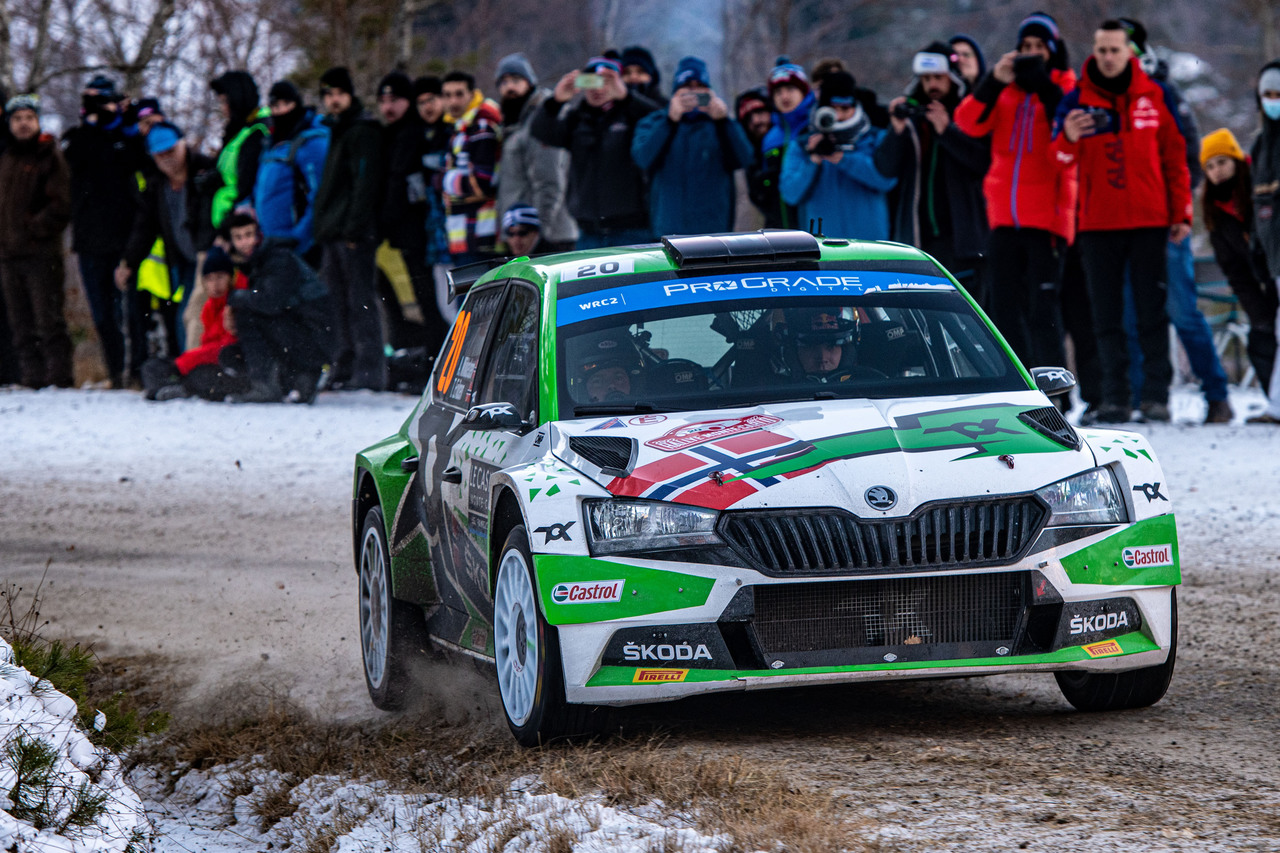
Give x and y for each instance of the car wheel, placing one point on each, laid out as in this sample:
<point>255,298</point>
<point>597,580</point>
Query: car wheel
<point>527,655</point>
<point>392,632</point>
<point>1118,691</point>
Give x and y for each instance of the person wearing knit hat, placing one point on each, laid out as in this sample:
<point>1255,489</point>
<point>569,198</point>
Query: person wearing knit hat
<point>1043,27</point>
<point>829,173</point>
<point>754,113</point>
<point>939,168</point>
<point>289,171</point>
<point>1265,157</point>
<point>35,185</point>
<point>792,99</point>
<point>969,59</point>
<point>532,173</point>
<point>1030,198</point>
<point>606,189</point>
<point>1228,215</point>
<point>337,77</point>
<point>640,72</point>
<point>345,226</point>
<point>690,153</point>
<point>395,95</point>
<point>522,230</point>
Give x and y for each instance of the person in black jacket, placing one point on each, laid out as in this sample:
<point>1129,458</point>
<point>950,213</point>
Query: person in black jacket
<point>346,227</point>
<point>281,318</point>
<point>102,210</point>
<point>593,114</point>
<point>176,207</point>
<point>1228,214</point>
<point>939,169</point>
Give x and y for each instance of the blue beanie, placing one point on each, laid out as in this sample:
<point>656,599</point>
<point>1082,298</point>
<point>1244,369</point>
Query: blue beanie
<point>162,138</point>
<point>691,70</point>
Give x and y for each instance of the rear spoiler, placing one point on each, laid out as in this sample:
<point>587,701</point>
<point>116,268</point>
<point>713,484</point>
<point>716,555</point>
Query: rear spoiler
<point>462,278</point>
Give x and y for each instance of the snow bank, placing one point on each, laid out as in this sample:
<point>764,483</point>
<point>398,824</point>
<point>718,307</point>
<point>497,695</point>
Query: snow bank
<point>351,816</point>
<point>32,710</point>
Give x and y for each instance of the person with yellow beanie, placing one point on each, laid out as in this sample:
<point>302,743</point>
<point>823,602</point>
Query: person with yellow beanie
<point>1228,214</point>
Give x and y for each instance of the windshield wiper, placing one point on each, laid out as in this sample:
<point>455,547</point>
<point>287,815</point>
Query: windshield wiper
<point>616,409</point>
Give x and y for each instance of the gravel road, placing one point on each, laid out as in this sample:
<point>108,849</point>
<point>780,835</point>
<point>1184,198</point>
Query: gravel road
<point>218,538</point>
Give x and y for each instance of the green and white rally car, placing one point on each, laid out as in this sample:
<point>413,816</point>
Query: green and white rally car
<point>732,462</point>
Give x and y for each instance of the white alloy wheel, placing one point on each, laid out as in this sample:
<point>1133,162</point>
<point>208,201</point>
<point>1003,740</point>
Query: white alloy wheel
<point>515,637</point>
<point>375,615</point>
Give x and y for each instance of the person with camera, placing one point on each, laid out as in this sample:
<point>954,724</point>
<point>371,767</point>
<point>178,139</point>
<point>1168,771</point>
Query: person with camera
<point>829,173</point>
<point>1135,194</point>
<point>1030,195</point>
<point>690,153</point>
<point>102,163</point>
<point>939,168</point>
<point>594,115</point>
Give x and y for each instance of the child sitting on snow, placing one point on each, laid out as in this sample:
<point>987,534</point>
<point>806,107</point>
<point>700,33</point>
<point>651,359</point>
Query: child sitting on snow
<point>214,369</point>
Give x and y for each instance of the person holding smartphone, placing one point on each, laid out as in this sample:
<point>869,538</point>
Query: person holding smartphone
<point>1030,195</point>
<point>593,115</point>
<point>1135,194</point>
<point>690,153</point>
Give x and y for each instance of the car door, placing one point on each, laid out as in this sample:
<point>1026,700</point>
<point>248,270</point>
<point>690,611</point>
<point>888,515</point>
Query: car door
<point>509,375</point>
<point>455,385</point>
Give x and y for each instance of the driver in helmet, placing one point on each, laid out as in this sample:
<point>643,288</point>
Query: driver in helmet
<point>815,340</point>
<point>609,369</point>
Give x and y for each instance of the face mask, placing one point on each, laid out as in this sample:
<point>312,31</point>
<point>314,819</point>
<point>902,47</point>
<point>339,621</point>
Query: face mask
<point>1271,106</point>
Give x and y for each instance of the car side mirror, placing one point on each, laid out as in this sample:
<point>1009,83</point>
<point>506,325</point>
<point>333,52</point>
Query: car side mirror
<point>494,416</point>
<point>1053,380</point>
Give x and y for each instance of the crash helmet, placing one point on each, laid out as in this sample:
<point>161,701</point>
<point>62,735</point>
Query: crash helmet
<point>815,326</point>
<point>612,350</point>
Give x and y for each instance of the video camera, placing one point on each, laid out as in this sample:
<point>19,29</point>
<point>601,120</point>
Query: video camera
<point>908,109</point>
<point>834,137</point>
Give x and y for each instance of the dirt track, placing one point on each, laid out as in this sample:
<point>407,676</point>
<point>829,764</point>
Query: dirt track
<point>245,574</point>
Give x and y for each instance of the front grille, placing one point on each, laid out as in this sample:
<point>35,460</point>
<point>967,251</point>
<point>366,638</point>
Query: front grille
<point>612,454</point>
<point>811,617</point>
<point>936,536</point>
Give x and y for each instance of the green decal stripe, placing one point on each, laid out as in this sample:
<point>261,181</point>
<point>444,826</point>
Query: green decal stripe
<point>612,676</point>
<point>1103,562</point>
<point>645,591</point>
<point>981,430</point>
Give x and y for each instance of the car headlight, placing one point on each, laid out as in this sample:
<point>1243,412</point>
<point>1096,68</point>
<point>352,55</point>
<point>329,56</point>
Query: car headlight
<point>616,526</point>
<point>1089,498</point>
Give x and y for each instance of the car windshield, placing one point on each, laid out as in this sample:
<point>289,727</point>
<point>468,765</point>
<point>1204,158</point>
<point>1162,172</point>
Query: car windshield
<point>652,347</point>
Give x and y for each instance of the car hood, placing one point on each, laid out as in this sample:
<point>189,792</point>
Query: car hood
<point>828,453</point>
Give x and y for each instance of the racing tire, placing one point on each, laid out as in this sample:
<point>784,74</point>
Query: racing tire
<point>1119,691</point>
<point>392,633</point>
<point>527,656</point>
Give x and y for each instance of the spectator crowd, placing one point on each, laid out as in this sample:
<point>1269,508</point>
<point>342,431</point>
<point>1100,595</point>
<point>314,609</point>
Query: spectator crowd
<point>1060,196</point>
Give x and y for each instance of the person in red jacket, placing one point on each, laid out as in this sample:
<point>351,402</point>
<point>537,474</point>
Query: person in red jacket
<point>1030,192</point>
<point>214,369</point>
<point>1135,194</point>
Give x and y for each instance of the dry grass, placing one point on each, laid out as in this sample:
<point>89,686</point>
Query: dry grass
<point>755,802</point>
<point>274,804</point>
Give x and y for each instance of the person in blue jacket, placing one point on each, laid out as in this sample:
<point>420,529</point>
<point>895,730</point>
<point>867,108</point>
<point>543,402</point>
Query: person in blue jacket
<point>289,170</point>
<point>690,152</point>
<point>829,172</point>
<point>792,103</point>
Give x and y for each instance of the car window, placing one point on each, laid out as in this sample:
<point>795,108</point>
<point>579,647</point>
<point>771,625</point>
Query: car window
<point>512,373</point>
<point>455,377</point>
<point>777,346</point>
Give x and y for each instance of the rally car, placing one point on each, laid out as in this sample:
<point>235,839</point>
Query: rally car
<point>731,462</point>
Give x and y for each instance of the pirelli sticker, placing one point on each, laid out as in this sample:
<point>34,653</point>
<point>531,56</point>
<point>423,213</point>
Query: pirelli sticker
<point>1101,650</point>
<point>659,676</point>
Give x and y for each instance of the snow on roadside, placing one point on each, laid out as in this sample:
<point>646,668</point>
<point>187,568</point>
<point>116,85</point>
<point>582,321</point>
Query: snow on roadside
<point>32,710</point>
<point>348,816</point>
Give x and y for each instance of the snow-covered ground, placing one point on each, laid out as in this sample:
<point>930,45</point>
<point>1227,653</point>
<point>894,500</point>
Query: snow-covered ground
<point>293,463</point>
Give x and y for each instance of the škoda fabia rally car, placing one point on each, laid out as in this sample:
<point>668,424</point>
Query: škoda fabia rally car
<point>750,461</point>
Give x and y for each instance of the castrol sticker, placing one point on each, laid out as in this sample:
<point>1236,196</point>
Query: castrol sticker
<point>589,592</point>
<point>1145,556</point>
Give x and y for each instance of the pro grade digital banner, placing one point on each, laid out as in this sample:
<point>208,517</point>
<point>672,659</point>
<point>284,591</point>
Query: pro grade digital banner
<point>692,291</point>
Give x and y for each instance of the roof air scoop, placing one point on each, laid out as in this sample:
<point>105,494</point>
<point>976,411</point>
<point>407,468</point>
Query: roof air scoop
<point>754,247</point>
